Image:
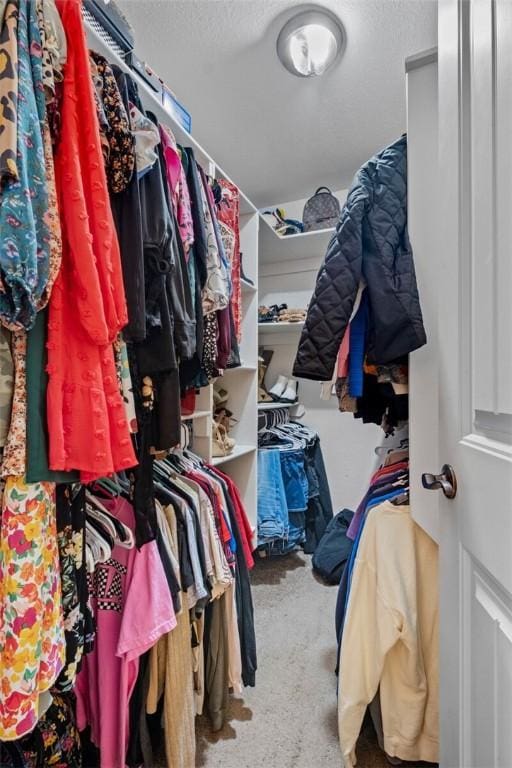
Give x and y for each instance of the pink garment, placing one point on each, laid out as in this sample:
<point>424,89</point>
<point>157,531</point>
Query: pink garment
<point>389,470</point>
<point>343,355</point>
<point>229,213</point>
<point>177,182</point>
<point>133,608</point>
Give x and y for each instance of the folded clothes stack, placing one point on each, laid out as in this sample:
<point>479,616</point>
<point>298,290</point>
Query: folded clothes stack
<point>281,313</point>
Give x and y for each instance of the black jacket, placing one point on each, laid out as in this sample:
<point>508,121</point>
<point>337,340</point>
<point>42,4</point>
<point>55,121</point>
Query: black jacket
<point>371,242</point>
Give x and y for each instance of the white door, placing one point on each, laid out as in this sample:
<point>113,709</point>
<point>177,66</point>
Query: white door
<point>474,341</point>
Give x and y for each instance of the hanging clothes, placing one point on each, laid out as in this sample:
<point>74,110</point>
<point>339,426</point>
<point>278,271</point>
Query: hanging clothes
<point>120,585</point>
<point>371,241</point>
<point>294,502</point>
<point>127,215</point>
<point>24,245</point>
<point>87,427</point>
<point>107,331</point>
<point>390,638</point>
<point>228,212</point>
<point>34,646</point>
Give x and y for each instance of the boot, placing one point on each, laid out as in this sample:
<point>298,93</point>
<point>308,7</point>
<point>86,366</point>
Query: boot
<point>263,395</point>
<point>276,392</point>
<point>289,395</point>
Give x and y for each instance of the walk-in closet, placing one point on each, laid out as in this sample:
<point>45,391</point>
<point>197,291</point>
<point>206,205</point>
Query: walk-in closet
<point>255,376</point>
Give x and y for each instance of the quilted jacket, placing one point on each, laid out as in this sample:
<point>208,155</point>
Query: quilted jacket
<point>371,243</point>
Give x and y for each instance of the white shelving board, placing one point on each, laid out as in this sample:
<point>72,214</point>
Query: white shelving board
<point>239,450</point>
<point>274,406</point>
<point>195,415</point>
<point>306,245</point>
<point>241,465</point>
<point>280,327</point>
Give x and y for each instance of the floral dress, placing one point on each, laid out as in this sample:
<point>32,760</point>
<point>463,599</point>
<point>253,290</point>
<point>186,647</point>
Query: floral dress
<point>32,643</point>
<point>25,235</point>
<point>78,619</point>
<point>120,160</point>
<point>15,448</point>
<point>54,742</point>
<point>9,88</point>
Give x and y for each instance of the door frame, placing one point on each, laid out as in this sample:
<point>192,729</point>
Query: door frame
<point>454,210</point>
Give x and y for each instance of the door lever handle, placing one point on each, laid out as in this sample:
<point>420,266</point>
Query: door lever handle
<point>446,481</point>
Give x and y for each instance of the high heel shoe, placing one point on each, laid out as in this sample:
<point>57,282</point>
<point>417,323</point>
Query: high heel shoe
<point>225,418</point>
<point>222,445</point>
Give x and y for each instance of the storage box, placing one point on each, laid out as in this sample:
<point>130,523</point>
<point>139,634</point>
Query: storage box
<point>176,110</point>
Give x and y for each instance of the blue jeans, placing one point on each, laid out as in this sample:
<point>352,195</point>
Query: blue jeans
<point>272,505</point>
<point>295,480</point>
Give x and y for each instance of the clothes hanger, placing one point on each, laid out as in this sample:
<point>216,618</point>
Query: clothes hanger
<point>160,472</point>
<point>121,533</point>
<point>401,499</point>
<point>100,550</point>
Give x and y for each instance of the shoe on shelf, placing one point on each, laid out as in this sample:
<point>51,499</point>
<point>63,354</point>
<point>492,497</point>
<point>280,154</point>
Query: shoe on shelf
<point>267,315</point>
<point>279,388</point>
<point>290,393</point>
<point>224,417</point>
<point>292,315</point>
<point>222,445</point>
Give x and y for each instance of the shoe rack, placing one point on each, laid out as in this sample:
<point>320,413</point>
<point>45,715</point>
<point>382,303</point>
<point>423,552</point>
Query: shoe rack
<point>241,383</point>
<point>287,267</point>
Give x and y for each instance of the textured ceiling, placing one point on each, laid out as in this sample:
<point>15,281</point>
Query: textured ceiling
<point>277,135</point>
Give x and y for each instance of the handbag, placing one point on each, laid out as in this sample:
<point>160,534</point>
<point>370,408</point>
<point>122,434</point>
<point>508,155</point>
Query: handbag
<point>321,211</point>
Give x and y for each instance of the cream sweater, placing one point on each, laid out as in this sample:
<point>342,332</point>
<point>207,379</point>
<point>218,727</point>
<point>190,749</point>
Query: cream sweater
<point>390,638</point>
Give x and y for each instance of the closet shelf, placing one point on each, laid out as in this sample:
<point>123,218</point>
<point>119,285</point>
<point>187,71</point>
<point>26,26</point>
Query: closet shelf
<point>279,327</point>
<point>273,406</point>
<point>305,245</point>
<point>195,415</point>
<point>245,367</point>
<point>239,450</point>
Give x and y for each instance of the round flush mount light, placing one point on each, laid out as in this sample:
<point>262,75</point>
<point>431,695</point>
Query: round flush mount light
<point>310,43</point>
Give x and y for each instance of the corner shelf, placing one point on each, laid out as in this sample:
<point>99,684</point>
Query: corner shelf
<point>195,415</point>
<point>279,327</point>
<point>274,406</point>
<point>304,245</point>
<point>239,450</point>
<point>245,367</point>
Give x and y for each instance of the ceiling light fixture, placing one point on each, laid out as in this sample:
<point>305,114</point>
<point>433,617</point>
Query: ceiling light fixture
<point>310,42</point>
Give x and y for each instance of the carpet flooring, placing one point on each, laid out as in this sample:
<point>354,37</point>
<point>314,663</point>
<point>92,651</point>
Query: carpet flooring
<point>289,719</point>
